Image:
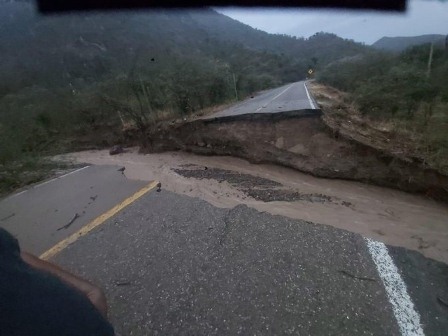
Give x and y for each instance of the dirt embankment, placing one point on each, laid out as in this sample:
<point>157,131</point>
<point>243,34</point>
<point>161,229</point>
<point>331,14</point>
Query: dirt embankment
<point>299,140</point>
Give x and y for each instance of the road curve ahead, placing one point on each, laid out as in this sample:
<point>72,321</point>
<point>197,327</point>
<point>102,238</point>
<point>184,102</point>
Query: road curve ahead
<point>290,97</point>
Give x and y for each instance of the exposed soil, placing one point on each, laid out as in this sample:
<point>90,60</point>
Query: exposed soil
<point>394,137</point>
<point>299,140</point>
<point>391,216</point>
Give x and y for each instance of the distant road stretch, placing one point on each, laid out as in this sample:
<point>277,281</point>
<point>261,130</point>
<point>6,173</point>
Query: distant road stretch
<point>289,97</point>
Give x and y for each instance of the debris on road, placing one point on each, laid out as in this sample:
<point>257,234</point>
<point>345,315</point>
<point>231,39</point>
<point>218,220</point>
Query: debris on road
<point>122,169</point>
<point>159,187</point>
<point>175,269</point>
<point>355,276</point>
<point>66,226</point>
<point>123,283</point>
<point>117,149</point>
<point>7,217</point>
<point>422,244</point>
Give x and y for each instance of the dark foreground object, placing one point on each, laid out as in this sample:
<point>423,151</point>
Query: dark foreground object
<point>39,304</point>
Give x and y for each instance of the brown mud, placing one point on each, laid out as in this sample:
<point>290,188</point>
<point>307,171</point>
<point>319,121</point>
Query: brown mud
<point>394,217</point>
<point>300,140</point>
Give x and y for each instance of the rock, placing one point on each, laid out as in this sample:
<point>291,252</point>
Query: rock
<point>117,149</point>
<point>280,142</point>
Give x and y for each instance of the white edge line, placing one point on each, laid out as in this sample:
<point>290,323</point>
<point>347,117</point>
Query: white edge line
<point>309,97</point>
<point>46,182</point>
<point>59,177</point>
<point>407,317</point>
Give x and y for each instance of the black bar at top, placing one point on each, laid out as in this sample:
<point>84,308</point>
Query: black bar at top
<point>54,6</point>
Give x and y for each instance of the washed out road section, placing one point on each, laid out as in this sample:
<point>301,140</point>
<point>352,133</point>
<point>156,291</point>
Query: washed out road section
<point>390,216</point>
<point>172,264</point>
<point>47,213</point>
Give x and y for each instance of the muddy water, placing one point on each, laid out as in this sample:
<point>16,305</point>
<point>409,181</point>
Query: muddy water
<point>394,217</point>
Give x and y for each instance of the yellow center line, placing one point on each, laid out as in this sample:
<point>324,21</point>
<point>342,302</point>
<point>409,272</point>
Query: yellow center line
<point>96,222</point>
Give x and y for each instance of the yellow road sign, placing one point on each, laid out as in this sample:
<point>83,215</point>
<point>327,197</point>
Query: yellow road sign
<point>310,71</point>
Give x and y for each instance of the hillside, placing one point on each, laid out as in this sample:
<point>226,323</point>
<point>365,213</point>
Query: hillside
<point>53,50</point>
<point>325,47</point>
<point>398,44</point>
<point>400,98</point>
<point>74,81</point>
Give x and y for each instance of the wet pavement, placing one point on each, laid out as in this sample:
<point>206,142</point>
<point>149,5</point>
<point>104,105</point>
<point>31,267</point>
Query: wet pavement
<point>44,214</point>
<point>173,264</point>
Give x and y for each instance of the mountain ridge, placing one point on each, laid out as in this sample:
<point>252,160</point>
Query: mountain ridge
<point>101,43</point>
<point>401,43</point>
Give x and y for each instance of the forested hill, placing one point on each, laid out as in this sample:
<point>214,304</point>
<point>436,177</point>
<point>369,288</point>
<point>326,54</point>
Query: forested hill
<point>399,44</point>
<point>78,78</point>
<point>83,49</point>
<point>404,93</point>
<point>325,47</point>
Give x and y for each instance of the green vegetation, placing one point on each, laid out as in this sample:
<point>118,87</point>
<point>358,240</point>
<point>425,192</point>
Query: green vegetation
<point>400,89</point>
<point>399,44</point>
<point>75,81</point>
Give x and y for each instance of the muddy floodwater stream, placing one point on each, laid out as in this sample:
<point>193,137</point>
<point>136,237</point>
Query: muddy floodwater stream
<point>394,217</point>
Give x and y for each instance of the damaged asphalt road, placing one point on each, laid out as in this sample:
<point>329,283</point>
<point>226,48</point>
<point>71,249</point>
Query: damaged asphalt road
<point>258,188</point>
<point>173,264</point>
<point>176,265</point>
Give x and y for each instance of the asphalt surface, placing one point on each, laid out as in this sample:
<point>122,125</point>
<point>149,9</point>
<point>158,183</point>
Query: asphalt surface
<point>35,215</point>
<point>176,265</point>
<point>427,283</point>
<point>291,97</point>
<point>256,187</point>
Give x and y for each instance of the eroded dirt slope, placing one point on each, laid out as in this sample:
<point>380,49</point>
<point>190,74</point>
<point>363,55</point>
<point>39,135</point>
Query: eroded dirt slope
<point>299,140</point>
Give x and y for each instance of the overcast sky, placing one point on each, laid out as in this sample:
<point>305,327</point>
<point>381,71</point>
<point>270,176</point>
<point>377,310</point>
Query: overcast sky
<point>421,17</point>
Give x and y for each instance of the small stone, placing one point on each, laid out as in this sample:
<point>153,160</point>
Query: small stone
<point>117,149</point>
